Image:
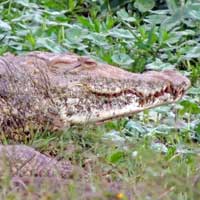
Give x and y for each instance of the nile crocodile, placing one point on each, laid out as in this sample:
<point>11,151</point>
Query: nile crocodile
<point>51,91</point>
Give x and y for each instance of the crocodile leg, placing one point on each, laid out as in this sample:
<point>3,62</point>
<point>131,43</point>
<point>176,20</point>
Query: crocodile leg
<point>21,160</point>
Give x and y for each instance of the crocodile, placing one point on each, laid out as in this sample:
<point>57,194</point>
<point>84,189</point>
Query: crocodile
<point>43,90</point>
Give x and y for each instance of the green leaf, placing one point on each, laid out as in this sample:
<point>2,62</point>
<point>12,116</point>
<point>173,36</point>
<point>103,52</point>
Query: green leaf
<point>135,129</point>
<point>159,147</point>
<point>192,11</point>
<point>189,107</point>
<point>98,39</point>
<point>71,4</point>
<point>162,109</point>
<point>115,137</point>
<point>72,45</point>
<point>31,39</point>
<point>122,59</point>
<point>48,44</point>
<point>194,52</point>
<point>197,129</point>
<point>144,5</point>
<point>155,19</point>
<point>124,16</point>
<point>85,22</point>
<point>121,33</point>
<point>159,65</point>
<point>76,34</point>
<point>116,156</point>
<point>171,5</point>
<point>194,91</point>
<point>26,3</point>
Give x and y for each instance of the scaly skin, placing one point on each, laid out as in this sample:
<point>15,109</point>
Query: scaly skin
<point>43,90</point>
<point>20,160</point>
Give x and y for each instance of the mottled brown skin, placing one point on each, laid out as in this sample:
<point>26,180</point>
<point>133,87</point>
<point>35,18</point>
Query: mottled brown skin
<point>21,160</point>
<point>43,90</point>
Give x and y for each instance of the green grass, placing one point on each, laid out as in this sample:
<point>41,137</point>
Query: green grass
<point>153,155</point>
<point>132,168</point>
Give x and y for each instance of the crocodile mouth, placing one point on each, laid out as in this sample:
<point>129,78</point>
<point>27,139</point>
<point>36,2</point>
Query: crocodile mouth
<point>110,103</point>
<point>167,93</point>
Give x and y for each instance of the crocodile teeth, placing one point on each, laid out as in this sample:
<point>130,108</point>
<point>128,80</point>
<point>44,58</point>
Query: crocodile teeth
<point>168,89</point>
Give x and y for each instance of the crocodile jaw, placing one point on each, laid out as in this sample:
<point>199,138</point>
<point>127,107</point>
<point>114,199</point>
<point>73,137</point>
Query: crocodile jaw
<point>109,114</point>
<point>129,96</point>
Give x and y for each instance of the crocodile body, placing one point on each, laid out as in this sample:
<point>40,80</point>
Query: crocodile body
<point>43,90</point>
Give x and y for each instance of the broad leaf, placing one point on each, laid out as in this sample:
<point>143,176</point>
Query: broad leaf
<point>144,5</point>
<point>124,16</point>
<point>122,59</point>
<point>159,65</point>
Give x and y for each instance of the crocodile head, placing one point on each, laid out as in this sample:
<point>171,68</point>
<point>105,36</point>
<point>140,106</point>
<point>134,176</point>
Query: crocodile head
<point>70,89</point>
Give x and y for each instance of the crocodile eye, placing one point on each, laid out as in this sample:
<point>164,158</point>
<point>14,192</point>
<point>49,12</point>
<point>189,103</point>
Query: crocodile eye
<point>83,64</point>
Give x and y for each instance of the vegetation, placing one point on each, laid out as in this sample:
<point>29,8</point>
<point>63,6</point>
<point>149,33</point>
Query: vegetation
<point>154,154</point>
